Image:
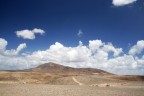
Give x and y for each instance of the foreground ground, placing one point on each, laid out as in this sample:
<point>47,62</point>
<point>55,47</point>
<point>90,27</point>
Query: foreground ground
<point>91,85</point>
<point>57,80</point>
<point>68,90</point>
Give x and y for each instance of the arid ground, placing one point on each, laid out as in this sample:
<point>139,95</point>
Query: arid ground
<point>68,90</point>
<point>55,80</point>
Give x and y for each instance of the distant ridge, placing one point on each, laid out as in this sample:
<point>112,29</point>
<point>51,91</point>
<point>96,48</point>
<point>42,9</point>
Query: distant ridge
<point>53,68</point>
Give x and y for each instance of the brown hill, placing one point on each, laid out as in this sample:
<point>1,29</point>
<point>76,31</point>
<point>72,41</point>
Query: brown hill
<point>53,68</point>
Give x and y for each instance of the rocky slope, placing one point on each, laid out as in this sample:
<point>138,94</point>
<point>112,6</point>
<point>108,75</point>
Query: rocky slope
<point>53,68</point>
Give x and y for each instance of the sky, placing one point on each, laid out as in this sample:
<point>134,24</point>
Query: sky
<point>104,34</point>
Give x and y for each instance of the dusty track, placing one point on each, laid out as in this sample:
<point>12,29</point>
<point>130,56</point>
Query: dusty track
<point>76,81</point>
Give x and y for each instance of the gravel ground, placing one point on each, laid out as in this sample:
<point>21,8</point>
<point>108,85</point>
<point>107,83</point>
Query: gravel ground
<point>68,90</point>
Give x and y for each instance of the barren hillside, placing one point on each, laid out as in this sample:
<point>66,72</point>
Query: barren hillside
<point>58,69</point>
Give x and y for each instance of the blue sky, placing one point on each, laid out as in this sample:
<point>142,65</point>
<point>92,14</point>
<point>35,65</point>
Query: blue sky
<point>120,22</point>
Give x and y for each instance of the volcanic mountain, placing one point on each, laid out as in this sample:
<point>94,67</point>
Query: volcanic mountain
<point>58,69</point>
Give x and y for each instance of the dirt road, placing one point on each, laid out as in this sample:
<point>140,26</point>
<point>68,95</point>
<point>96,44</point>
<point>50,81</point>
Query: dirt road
<point>76,81</point>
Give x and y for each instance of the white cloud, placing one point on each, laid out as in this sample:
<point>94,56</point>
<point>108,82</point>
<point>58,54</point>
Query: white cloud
<point>138,48</point>
<point>98,45</point>
<point>3,44</point>
<point>96,55</point>
<point>3,51</point>
<point>95,45</point>
<point>122,2</point>
<point>40,31</point>
<point>21,47</point>
<point>125,64</point>
<point>29,34</point>
<point>80,33</point>
<point>110,48</point>
<point>15,52</point>
<point>25,34</point>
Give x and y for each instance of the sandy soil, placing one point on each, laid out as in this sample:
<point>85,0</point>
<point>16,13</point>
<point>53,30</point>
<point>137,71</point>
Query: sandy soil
<point>45,84</point>
<point>67,90</point>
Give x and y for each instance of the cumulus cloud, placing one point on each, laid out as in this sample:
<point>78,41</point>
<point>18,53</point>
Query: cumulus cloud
<point>122,2</point>
<point>15,51</point>
<point>138,48</point>
<point>98,45</point>
<point>29,34</point>
<point>80,33</point>
<point>3,44</point>
<point>97,54</point>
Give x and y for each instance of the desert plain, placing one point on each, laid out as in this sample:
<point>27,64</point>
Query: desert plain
<point>57,80</point>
